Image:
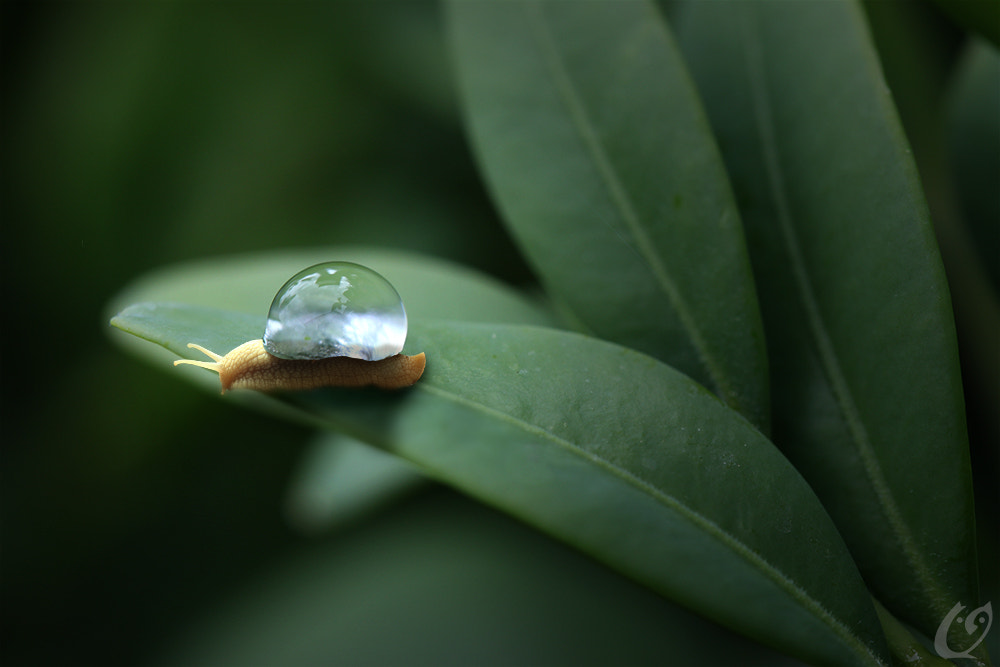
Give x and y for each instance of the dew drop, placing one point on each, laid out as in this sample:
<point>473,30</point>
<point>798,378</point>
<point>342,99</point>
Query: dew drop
<point>336,309</point>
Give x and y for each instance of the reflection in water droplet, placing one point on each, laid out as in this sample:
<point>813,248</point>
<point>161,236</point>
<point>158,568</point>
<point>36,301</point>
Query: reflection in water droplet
<point>336,309</point>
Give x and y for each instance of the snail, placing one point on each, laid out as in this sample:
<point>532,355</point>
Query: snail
<point>336,324</point>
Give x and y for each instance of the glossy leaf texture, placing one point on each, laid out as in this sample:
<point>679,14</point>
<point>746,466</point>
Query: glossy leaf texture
<point>598,155</point>
<point>614,453</point>
<point>867,392</point>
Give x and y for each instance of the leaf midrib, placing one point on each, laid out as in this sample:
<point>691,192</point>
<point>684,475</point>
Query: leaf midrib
<point>622,201</point>
<point>702,522</point>
<point>829,359</point>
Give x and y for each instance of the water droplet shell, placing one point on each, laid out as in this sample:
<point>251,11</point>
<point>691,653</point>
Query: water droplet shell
<point>336,324</point>
<point>336,309</point>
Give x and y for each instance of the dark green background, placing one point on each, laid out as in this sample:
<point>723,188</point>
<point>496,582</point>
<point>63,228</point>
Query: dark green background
<point>140,134</point>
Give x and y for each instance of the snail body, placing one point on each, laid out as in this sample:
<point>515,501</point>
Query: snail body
<point>336,324</point>
<point>251,366</point>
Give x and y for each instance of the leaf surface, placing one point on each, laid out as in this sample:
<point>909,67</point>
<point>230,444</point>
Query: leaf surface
<point>429,287</point>
<point>599,157</point>
<point>867,395</point>
<point>610,451</point>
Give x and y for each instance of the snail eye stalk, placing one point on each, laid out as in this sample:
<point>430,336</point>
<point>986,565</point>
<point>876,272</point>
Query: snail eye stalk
<point>210,365</point>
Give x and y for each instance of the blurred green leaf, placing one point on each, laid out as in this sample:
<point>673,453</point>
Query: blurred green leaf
<point>597,151</point>
<point>867,392</point>
<point>611,451</point>
<point>446,581</point>
<point>429,287</point>
<point>973,124</point>
<point>980,16</point>
<point>341,479</point>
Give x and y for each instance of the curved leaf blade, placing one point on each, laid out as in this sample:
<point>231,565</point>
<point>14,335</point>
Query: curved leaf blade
<point>613,452</point>
<point>429,287</point>
<point>973,137</point>
<point>594,144</point>
<point>867,394</point>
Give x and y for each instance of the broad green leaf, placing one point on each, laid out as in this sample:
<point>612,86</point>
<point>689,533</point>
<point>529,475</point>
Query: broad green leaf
<point>246,284</point>
<point>610,451</point>
<point>920,70</point>
<point>341,479</point>
<point>867,395</point>
<point>600,159</point>
<point>429,287</point>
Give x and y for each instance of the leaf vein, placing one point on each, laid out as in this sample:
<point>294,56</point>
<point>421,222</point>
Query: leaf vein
<point>779,578</point>
<point>644,246</point>
<point>829,358</point>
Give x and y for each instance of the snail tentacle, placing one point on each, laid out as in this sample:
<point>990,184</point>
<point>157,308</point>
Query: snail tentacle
<point>210,365</point>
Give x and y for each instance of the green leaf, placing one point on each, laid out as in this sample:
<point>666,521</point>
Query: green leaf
<point>341,479</point>
<point>974,142</point>
<point>599,156</point>
<point>429,287</point>
<point>905,648</point>
<point>867,394</point>
<point>612,452</point>
<point>246,284</point>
